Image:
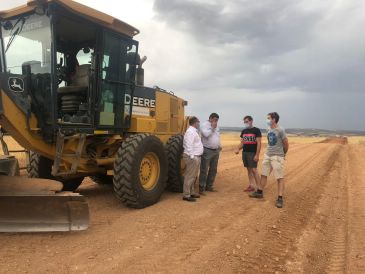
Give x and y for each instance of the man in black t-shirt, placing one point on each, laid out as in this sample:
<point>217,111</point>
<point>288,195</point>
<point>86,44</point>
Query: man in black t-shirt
<point>251,146</point>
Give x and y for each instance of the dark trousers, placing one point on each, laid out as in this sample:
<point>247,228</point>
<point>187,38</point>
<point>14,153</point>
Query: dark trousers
<point>208,168</point>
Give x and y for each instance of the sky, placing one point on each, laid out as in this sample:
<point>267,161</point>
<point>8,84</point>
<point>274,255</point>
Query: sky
<point>304,59</point>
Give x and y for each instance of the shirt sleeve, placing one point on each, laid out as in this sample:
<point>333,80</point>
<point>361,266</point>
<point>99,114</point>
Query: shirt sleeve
<point>282,134</point>
<point>258,133</point>
<point>188,143</point>
<point>206,130</point>
<point>241,135</point>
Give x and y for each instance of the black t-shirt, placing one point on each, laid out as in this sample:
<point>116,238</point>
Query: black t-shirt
<point>248,138</point>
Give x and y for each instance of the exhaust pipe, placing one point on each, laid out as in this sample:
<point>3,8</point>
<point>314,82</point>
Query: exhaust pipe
<point>140,72</point>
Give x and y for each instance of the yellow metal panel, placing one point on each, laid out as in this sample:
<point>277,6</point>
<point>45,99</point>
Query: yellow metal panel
<point>15,122</point>
<point>142,124</point>
<point>162,107</point>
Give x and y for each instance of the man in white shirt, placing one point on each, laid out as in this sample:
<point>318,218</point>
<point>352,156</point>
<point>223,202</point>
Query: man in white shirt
<point>212,147</point>
<point>193,149</point>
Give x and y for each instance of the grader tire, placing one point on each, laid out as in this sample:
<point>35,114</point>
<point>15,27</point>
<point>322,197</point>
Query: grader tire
<point>174,152</point>
<point>41,167</point>
<point>140,171</point>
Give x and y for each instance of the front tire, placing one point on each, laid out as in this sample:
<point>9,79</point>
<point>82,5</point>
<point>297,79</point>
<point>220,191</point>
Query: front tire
<point>41,167</point>
<point>140,171</point>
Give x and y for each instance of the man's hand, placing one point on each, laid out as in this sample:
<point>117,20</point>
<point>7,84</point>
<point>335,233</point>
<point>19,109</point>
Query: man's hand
<point>237,151</point>
<point>256,158</point>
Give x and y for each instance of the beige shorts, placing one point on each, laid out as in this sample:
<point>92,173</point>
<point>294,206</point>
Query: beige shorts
<point>275,164</point>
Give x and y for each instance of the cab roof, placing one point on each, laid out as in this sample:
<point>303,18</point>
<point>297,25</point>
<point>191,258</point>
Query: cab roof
<point>78,9</point>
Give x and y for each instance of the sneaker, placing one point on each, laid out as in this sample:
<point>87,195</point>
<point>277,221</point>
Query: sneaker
<point>249,189</point>
<point>279,203</point>
<point>195,196</point>
<point>189,199</point>
<point>255,194</point>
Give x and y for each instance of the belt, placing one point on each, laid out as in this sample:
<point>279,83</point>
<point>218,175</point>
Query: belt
<point>214,149</point>
<point>194,155</point>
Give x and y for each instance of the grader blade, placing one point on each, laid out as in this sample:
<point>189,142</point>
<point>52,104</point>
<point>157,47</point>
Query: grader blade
<point>37,205</point>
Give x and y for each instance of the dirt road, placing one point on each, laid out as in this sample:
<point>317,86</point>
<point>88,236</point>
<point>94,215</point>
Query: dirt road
<point>319,230</point>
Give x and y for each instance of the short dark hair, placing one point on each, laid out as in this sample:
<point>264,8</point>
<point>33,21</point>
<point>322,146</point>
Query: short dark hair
<point>193,120</point>
<point>275,116</point>
<point>213,115</point>
<point>248,117</point>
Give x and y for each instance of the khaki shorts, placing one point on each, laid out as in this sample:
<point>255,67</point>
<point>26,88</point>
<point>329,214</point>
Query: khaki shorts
<point>275,164</point>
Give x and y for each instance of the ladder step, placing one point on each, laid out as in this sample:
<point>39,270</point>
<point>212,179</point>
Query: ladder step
<point>17,151</point>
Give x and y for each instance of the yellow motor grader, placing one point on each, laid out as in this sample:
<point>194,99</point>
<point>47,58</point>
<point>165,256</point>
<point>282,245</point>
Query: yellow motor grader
<point>72,94</point>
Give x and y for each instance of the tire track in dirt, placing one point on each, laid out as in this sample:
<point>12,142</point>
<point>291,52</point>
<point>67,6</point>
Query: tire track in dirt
<point>235,162</point>
<point>337,225</point>
<point>225,232</point>
<point>204,230</point>
<point>323,245</point>
<point>274,249</point>
<point>356,203</point>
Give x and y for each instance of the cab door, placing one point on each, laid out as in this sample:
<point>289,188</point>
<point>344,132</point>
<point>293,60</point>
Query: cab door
<point>117,75</point>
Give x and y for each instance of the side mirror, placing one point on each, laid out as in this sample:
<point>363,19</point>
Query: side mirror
<point>8,25</point>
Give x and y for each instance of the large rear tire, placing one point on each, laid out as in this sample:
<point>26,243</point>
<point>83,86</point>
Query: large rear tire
<point>174,152</point>
<point>140,171</point>
<point>41,167</point>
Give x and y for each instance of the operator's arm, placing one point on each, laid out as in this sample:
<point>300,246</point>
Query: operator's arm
<point>206,129</point>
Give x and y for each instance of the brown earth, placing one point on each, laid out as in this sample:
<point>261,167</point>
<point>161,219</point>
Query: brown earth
<point>319,230</point>
<point>335,140</point>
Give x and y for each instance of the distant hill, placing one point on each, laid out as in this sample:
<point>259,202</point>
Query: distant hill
<point>305,131</point>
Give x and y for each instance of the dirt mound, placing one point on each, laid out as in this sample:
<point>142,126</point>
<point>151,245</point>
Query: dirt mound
<point>335,140</point>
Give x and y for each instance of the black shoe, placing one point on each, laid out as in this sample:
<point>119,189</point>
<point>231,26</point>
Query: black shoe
<point>195,196</point>
<point>210,189</point>
<point>189,199</point>
<point>202,193</point>
<point>279,203</point>
<point>256,194</point>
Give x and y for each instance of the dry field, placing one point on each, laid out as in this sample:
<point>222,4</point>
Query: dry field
<point>319,230</point>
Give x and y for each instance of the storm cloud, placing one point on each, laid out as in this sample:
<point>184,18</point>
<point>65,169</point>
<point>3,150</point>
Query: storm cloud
<point>314,46</point>
<point>304,59</point>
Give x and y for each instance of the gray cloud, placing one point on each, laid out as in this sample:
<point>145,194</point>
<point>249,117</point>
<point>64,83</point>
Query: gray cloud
<point>304,58</point>
<point>314,46</point>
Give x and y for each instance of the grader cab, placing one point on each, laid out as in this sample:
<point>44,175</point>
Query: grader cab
<point>72,94</point>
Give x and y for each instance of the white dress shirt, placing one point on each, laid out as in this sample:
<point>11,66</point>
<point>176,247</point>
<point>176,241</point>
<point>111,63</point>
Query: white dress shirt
<point>192,143</point>
<point>210,136</point>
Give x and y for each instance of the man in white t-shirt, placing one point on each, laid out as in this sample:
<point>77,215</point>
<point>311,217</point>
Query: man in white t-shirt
<point>193,149</point>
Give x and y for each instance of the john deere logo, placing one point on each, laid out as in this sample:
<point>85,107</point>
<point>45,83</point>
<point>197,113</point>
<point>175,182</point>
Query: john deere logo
<point>16,84</point>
